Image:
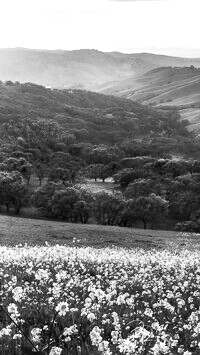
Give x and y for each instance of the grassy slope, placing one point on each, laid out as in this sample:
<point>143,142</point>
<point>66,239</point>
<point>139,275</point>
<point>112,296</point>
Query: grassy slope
<point>179,85</point>
<point>15,230</point>
<point>193,116</point>
<point>161,87</point>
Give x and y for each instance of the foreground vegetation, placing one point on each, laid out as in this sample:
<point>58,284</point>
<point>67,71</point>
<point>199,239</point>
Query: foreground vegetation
<point>99,301</point>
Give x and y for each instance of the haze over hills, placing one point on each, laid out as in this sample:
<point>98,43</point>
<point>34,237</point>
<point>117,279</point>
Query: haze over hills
<point>151,79</point>
<point>171,85</point>
<point>164,86</point>
<point>79,68</point>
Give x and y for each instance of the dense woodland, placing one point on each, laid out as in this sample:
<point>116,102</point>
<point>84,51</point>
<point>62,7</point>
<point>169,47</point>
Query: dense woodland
<point>61,138</point>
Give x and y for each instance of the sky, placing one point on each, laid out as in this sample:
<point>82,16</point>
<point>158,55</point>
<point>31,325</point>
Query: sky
<point>159,26</point>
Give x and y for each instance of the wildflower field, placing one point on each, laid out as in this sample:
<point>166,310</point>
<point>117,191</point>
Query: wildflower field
<point>69,300</point>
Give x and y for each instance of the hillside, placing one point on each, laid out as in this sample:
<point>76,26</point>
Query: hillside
<point>172,85</point>
<point>142,77</point>
<point>79,68</point>
<point>91,117</point>
<point>165,86</point>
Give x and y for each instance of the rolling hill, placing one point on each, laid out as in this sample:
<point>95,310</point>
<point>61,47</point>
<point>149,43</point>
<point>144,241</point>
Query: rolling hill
<point>91,117</point>
<point>166,86</point>
<point>172,85</point>
<point>156,80</point>
<point>79,68</point>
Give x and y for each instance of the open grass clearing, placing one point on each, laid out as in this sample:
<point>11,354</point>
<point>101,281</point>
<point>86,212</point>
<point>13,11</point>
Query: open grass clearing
<point>99,185</point>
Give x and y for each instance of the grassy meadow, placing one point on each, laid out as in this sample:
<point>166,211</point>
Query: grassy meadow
<point>14,230</point>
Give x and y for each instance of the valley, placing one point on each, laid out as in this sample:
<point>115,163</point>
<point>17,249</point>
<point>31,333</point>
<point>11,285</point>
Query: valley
<point>99,195</point>
<point>100,177</point>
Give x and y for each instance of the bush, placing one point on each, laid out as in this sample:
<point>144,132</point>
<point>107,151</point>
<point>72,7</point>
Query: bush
<point>188,226</point>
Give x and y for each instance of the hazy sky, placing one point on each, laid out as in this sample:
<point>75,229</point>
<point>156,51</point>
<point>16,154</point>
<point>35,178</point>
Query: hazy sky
<point>159,26</point>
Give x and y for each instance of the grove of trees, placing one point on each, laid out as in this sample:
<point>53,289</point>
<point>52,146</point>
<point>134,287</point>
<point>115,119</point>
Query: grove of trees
<point>43,166</point>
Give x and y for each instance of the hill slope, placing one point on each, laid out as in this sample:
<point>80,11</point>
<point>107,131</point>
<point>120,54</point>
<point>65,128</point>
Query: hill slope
<point>92,117</point>
<point>79,68</point>
<point>165,86</point>
<point>176,85</point>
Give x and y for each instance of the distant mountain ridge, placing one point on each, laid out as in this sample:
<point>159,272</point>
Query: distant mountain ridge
<point>82,68</point>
